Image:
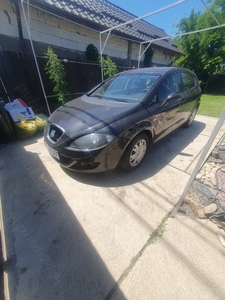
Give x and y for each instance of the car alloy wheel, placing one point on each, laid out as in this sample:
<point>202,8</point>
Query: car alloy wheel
<point>135,152</point>
<point>191,118</point>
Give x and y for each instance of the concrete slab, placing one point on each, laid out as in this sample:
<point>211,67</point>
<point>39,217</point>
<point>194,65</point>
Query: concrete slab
<point>71,236</point>
<point>186,263</point>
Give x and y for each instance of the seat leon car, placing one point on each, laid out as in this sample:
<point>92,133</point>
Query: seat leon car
<point>116,122</point>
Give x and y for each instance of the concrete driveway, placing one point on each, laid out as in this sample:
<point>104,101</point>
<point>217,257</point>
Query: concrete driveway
<point>107,236</point>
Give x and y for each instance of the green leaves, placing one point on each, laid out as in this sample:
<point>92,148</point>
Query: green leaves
<point>204,52</point>
<point>109,67</point>
<point>55,69</point>
<point>148,57</point>
<point>92,53</point>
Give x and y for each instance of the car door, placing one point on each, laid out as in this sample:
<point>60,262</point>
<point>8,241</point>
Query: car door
<point>191,93</point>
<point>165,115</point>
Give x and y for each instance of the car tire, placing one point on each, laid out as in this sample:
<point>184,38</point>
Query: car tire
<point>191,118</point>
<point>135,152</point>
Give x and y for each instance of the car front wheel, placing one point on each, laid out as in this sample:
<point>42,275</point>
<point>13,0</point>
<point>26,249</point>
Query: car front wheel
<point>135,152</point>
<point>191,118</point>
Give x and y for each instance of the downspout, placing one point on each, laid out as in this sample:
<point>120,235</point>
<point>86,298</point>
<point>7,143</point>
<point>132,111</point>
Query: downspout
<point>27,23</point>
<point>129,51</point>
<point>19,24</point>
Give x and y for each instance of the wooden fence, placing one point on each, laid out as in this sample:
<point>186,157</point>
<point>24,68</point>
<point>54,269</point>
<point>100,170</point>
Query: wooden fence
<point>19,78</point>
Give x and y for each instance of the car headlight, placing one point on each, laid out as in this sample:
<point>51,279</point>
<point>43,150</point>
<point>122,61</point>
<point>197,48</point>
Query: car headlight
<point>92,141</point>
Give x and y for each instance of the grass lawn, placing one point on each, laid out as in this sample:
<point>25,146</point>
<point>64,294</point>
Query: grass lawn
<point>211,105</point>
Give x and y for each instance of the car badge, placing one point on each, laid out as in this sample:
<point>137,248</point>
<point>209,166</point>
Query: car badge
<point>52,133</point>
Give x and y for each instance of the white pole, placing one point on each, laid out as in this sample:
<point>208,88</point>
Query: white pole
<point>147,15</point>
<point>139,56</point>
<point>185,33</point>
<point>35,59</point>
<point>200,161</point>
<point>100,46</point>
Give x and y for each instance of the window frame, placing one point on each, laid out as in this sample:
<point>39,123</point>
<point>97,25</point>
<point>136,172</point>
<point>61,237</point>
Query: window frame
<point>194,81</point>
<point>168,80</point>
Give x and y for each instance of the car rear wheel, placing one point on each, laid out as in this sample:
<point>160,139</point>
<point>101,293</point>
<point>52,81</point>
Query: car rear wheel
<point>191,118</point>
<point>135,152</point>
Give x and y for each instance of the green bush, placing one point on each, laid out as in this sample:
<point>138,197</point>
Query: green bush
<point>55,69</point>
<point>109,67</point>
<point>92,53</point>
<point>148,57</point>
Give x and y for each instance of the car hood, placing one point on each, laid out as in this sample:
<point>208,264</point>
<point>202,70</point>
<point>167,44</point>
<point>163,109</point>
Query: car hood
<point>88,114</point>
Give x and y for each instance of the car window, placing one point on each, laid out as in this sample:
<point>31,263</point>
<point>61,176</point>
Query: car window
<point>125,87</point>
<point>171,85</point>
<point>188,81</point>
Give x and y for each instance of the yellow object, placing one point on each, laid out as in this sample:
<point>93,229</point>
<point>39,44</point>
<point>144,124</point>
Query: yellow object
<point>25,129</point>
<point>41,121</point>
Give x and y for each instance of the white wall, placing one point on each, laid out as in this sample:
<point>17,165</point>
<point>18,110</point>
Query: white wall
<point>8,22</point>
<point>160,58</point>
<point>51,30</point>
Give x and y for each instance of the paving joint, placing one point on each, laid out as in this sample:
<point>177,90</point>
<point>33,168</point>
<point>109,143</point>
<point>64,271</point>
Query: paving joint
<point>154,236</point>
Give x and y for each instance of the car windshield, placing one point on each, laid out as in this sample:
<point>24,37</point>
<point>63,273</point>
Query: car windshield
<point>125,87</point>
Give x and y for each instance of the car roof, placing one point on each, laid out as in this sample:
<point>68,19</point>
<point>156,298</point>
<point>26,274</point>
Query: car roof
<point>157,70</point>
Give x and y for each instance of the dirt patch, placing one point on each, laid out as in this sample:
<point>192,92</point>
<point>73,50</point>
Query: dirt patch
<point>192,205</point>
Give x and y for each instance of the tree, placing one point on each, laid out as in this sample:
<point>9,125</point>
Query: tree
<point>148,57</point>
<point>92,53</point>
<point>204,52</point>
<point>189,44</point>
<point>213,41</point>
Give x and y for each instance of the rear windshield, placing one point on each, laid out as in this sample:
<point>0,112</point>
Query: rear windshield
<point>125,87</point>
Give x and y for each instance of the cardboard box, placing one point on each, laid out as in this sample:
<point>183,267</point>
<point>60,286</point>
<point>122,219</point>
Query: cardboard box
<point>19,111</point>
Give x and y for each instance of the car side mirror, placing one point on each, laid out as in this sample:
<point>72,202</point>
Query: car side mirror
<point>173,97</point>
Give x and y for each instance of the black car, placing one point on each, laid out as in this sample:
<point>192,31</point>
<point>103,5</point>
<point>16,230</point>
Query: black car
<point>117,121</point>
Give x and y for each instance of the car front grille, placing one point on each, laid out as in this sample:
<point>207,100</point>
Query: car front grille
<point>55,133</point>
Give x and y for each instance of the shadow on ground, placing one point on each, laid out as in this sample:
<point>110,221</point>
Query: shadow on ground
<point>49,256</point>
<point>156,159</point>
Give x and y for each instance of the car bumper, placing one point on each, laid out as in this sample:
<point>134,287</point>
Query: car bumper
<point>96,161</point>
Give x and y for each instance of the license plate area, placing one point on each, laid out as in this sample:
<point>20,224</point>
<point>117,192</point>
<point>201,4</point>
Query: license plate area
<point>53,152</point>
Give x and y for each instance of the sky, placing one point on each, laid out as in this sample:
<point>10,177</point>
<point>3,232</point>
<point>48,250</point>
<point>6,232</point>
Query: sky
<point>167,19</point>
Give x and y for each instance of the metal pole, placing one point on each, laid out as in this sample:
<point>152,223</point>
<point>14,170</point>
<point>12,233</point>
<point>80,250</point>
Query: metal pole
<point>139,18</point>
<point>100,46</point>
<point>139,56</point>
<point>102,49</point>
<point>209,11</point>
<point>147,15</point>
<point>182,34</point>
<point>5,89</point>
<point>35,59</point>
<point>200,161</point>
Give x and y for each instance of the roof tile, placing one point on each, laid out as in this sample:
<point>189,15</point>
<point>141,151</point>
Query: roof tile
<point>112,15</point>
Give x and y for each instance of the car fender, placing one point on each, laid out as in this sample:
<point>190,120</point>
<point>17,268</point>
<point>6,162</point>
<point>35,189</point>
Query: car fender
<point>130,133</point>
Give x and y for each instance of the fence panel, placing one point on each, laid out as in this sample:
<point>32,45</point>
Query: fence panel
<point>19,78</point>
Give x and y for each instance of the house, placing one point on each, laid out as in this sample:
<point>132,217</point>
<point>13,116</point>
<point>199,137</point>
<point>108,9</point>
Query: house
<point>69,26</point>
